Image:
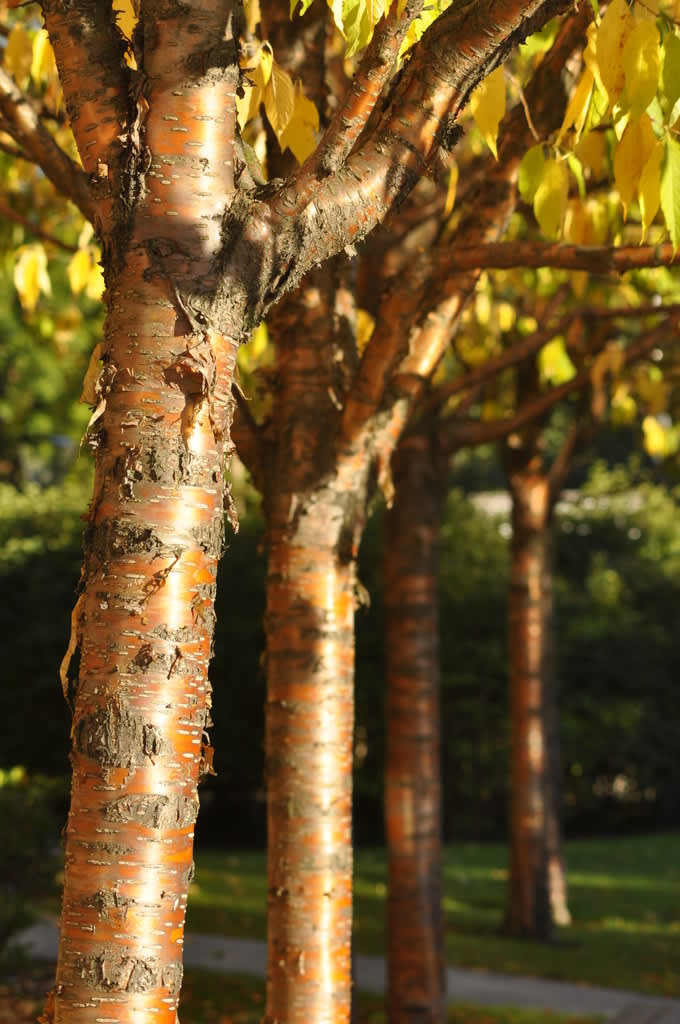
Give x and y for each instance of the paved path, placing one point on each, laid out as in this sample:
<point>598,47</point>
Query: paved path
<point>246,956</point>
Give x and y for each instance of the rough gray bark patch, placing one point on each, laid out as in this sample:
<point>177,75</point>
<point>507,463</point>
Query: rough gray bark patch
<point>115,738</point>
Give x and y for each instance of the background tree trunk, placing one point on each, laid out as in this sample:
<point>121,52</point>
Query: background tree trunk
<point>528,912</point>
<point>415,928</point>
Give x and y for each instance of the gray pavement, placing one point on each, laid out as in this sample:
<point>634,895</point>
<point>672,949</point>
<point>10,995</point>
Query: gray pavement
<point>481,988</point>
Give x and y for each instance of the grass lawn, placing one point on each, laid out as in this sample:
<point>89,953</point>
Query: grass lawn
<point>214,999</point>
<point>624,897</point>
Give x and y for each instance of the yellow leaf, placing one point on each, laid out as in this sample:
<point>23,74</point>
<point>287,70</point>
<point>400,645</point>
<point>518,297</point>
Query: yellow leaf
<point>632,153</point>
<point>612,34</point>
<point>655,437</point>
<point>252,15</point>
<point>624,407</point>
<point>642,64</point>
<point>79,269</point>
<point>591,151</point>
<point>18,55</point>
<point>550,200</point>
<point>279,99</point>
<point>259,340</point>
<point>266,62</point>
<point>554,363</point>
<point>649,189</point>
<point>365,326</point>
<point>94,289</point>
<point>451,190</point>
<point>43,64</point>
<point>248,105</point>
<point>487,105</point>
<point>299,135</point>
<point>126,16</point>
<point>30,275</point>
<point>577,108</point>
<point>576,223</point>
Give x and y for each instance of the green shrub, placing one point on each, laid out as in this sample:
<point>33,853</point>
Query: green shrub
<point>28,852</point>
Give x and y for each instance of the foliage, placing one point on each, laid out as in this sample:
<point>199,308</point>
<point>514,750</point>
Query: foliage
<point>43,357</point>
<point>623,893</point>
<point>28,860</point>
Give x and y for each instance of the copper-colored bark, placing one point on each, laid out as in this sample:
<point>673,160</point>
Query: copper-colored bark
<point>144,623</point>
<point>310,722</point>
<point>413,814</point>
<point>142,626</point>
<point>528,912</point>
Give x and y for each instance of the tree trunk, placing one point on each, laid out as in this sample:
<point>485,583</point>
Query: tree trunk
<point>415,931</point>
<point>143,623</point>
<point>529,913</point>
<point>309,740</point>
<point>557,875</point>
<point>142,629</point>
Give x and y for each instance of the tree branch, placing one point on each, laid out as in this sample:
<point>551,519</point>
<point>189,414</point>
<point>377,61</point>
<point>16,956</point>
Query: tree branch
<point>324,215</point>
<point>418,316</point>
<point>594,259</point>
<point>90,55</point>
<point>375,68</point>
<point>21,122</point>
<point>9,214</point>
<point>455,434</point>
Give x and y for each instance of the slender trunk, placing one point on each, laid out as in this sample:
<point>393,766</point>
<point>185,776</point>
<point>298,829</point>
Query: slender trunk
<point>557,875</point>
<point>415,933</point>
<point>528,911</point>
<point>309,738</point>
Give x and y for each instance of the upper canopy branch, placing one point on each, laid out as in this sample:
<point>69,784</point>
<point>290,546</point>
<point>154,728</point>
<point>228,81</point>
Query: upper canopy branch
<point>322,215</point>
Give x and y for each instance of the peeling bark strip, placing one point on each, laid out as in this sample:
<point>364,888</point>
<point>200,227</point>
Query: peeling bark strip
<point>413,812</point>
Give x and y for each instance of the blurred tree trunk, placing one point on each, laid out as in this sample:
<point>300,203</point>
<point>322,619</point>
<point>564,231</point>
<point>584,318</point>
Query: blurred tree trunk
<point>413,811</point>
<point>528,912</point>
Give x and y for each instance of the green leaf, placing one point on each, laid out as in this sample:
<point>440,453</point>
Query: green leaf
<point>670,77</point>
<point>670,189</point>
<point>550,201</point>
<point>576,168</point>
<point>356,19</point>
<point>530,173</point>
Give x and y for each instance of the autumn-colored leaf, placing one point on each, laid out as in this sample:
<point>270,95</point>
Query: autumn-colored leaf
<point>613,32</point>
<point>299,135</point>
<point>530,173</point>
<point>30,275</point>
<point>550,199</point>
<point>487,105</point>
<point>670,189</point>
<point>632,153</point>
<point>642,64</point>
